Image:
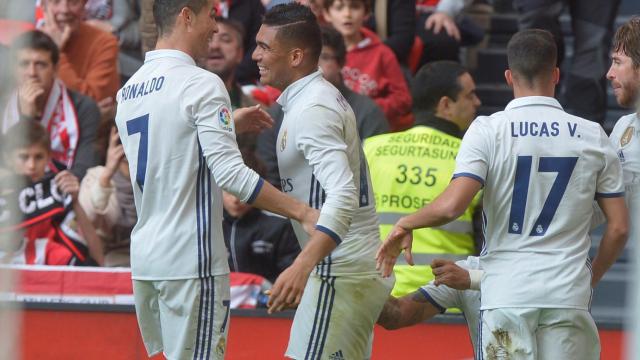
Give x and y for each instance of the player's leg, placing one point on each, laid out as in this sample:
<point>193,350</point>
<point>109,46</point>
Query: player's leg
<point>195,317</point>
<point>568,334</point>
<point>336,316</point>
<point>148,314</point>
<point>508,333</point>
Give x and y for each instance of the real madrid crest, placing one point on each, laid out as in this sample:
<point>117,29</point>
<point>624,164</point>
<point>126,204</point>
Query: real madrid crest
<point>283,141</point>
<point>626,136</point>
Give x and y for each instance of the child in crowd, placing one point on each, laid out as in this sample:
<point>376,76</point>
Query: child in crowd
<point>371,67</point>
<point>40,203</point>
<point>107,197</point>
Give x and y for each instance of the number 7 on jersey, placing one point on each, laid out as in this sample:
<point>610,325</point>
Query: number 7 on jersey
<point>140,125</point>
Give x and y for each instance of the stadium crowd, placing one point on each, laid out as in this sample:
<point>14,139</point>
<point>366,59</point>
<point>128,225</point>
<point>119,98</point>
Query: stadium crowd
<point>398,64</point>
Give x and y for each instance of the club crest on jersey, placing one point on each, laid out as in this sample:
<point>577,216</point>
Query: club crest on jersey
<point>225,118</point>
<point>626,137</point>
<point>283,141</point>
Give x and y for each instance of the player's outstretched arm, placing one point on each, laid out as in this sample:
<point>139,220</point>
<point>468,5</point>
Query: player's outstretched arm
<point>289,286</point>
<point>445,208</point>
<point>615,236</point>
<point>406,311</point>
<point>271,199</point>
<point>251,119</point>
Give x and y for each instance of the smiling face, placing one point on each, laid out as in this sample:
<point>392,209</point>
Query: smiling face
<point>66,12</point>
<point>271,57</point>
<point>224,52</point>
<point>202,29</point>
<point>624,78</point>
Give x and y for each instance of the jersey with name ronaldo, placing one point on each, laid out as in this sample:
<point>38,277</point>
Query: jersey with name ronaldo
<point>175,124</point>
<point>321,162</point>
<point>541,169</point>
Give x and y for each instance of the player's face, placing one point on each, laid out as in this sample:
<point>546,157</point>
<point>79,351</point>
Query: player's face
<point>66,12</point>
<point>35,66</point>
<point>346,16</point>
<point>272,58</point>
<point>330,66</point>
<point>203,28</point>
<point>465,107</point>
<point>625,79</point>
<point>234,206</point>
<point>225,52</point>
<point>30,161</point>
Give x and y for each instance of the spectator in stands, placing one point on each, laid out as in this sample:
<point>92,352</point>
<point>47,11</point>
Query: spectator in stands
<point>107,198</point>
<point>120,18</point>
<point>371,68</point>
<point>417,165</point>
<point>54,233</point>
<point>592,21</point>
<point>88,55</point>
<point>258,242</point>
<point>70,118</point>
<point>224,56</point>
<point>394,22</point>
<point>369,117</point>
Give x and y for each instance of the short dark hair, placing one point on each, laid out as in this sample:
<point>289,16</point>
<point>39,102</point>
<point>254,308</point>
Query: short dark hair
<point>165,12</point>
<point>627,40</point>
<point>435,80</point>
<point>235,25</point>
<point>532,53</point>
<point>297,25</point>
<point>23,134</point>
<point>36,40</point>
<point>367,3</point>
<point>333,39</point>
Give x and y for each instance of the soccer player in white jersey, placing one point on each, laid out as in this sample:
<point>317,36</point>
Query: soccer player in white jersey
<point>435,297</point>
<point>176,126</point>
<point>321,161</point>
<point>541,168</point>
<point>624,75</point>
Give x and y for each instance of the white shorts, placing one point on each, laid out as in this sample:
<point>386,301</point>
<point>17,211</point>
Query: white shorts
<point>336,315</point>
<point>185,319</point>
<point>532,333</point>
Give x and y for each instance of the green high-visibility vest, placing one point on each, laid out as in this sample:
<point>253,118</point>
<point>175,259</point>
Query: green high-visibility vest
<point>408,170</point>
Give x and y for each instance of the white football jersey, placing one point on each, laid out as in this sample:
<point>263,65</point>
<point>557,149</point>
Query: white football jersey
<point>175,124</point>
<point>444,297</point>
<point>322,163</point>
<point>541,169</point>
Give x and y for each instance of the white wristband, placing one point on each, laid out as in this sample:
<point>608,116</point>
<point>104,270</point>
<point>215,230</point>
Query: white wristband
<point>475,276</point>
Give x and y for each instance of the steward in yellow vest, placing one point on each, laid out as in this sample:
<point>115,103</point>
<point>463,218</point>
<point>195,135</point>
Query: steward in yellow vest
<point>410,168</point>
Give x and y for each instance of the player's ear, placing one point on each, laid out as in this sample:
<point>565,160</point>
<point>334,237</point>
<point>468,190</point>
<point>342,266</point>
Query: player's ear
<point>556,75</point>
<point>296,57</point>
<point>187,16</point>
<point>508,75</point>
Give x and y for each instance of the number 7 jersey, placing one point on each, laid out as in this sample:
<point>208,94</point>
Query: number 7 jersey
<point>175,124</point>
<point>541,169</point>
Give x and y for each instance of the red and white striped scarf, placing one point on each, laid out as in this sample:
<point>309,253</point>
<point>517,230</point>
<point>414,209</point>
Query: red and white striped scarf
<point>59,118</point>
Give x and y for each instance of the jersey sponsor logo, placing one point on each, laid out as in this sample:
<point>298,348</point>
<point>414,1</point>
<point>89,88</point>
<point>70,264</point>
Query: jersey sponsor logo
<point>621,156</point>
<point>626,136</point>
<point>283,141</point>
<point>225,118</point>
<point>286,185</point>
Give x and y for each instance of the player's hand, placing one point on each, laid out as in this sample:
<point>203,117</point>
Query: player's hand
<point>59,35</point>
<point>288,288</point>
<point>30,96</point>
<point>450,274</point>
<point>115,154</point>
<point>68,184</point>
<point>309,220</point>
<point>440,20</point>
<point>251,119</point>
<point>400,238</point>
